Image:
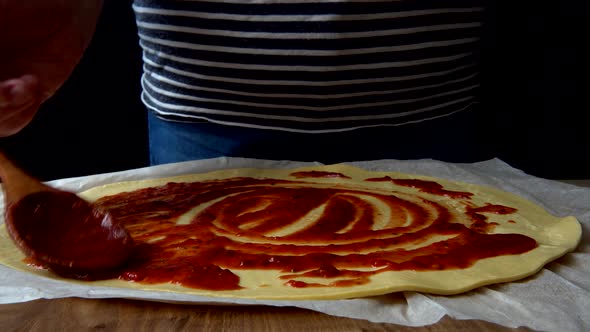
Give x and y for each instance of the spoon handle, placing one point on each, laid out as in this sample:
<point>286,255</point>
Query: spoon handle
<point>16,183</point>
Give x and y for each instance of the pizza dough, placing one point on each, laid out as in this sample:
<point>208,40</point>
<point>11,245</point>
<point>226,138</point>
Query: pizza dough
<point>323,232</point>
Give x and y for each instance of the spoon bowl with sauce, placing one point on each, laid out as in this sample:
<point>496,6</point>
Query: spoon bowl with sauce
<point>58,229</point>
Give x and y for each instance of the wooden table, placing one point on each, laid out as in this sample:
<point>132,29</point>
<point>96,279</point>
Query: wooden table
<point>75,314</point>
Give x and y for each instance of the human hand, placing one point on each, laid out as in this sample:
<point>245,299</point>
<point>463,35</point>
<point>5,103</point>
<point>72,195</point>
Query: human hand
<point>41,41</point>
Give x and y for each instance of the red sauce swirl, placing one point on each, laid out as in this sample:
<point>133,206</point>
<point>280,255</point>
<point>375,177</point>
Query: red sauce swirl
<point>248,223</point>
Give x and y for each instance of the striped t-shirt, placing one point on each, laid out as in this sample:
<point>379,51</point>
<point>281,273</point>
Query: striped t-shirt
<point>309,66</point>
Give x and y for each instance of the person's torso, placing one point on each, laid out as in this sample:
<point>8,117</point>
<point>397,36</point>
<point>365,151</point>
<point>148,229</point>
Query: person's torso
<point>310,66</point>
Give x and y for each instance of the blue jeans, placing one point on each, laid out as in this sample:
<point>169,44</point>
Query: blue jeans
<point>452,138</point>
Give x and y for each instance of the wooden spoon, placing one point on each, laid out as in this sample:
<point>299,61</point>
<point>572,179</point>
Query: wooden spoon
<point>59,229</point>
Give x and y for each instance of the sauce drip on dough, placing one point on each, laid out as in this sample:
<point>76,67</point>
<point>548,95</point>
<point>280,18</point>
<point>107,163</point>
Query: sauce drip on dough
<point>198,234</point>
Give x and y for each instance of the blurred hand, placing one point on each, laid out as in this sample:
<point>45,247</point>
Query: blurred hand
<point>41,41</point>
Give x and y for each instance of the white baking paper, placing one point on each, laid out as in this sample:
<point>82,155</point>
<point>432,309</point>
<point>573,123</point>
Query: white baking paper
<point>556,299</point>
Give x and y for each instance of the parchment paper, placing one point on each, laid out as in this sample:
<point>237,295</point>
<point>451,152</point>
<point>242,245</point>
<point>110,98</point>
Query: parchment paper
<point>556,299</point>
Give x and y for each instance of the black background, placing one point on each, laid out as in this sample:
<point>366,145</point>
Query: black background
<point>535,97</point>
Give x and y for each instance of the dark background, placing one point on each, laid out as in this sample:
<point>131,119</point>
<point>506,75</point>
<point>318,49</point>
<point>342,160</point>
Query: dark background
<point>534,104</point>
<point>536,86</point>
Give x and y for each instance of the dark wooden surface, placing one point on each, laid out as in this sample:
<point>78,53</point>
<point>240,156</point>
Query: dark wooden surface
<point>75,314</point>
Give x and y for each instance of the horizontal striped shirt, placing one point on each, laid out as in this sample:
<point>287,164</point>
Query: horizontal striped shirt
<point>309,66</point>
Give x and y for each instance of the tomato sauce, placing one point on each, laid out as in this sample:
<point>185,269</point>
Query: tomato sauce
<point>61,230</point>
<point>249,223</point>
